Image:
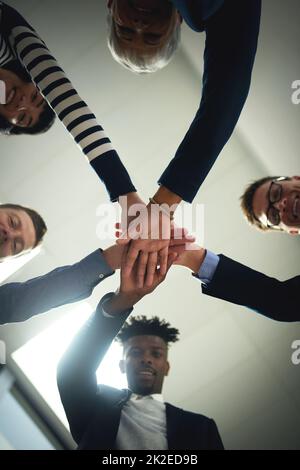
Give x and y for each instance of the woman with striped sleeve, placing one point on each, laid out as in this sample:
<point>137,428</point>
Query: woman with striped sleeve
<point>35,85</point>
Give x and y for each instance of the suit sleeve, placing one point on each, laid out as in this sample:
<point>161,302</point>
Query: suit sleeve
<point>76,374</point>
<point>214,438</point>
<point>22,300</point>
<point>59,92</point>
<point>231,44</point>
<point>268,296</point>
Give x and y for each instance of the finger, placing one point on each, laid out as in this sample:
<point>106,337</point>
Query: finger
<point>151,268</point>
<point>171,259</point>
<point>163,261</point>
<point>131,257</point>
<point>141,269</point>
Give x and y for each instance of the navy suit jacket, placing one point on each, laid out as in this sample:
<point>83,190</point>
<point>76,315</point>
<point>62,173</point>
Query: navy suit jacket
<point>232,28</point>
<point>94,411</point>
<point>239,284</point>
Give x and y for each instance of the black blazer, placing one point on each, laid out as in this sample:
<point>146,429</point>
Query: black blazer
<point>94,411</point>
<point>236,283</point>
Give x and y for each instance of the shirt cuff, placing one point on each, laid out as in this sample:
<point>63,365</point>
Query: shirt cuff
<point>105,299</point>
<point>208,267</point>
<point>94,268</point>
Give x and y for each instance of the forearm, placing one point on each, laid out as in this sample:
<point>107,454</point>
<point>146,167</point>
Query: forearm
<point>118,303</point>
<point>228,66</point>
<point>76,375</point>
<point>242,285</point>
<point>63,285</point>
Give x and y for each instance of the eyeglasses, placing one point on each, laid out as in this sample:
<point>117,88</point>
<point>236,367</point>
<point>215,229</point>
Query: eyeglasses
<point>274,195</point>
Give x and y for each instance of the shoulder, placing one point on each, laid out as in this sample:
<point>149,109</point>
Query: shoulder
<point>110,394</point>
<point>190,415</point>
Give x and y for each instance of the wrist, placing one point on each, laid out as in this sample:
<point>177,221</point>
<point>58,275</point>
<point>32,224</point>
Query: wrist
<point>130,198</point>
<point>111,257</point>
<point>165,196</point>
<point>194,259</point>
<point>119,303</point>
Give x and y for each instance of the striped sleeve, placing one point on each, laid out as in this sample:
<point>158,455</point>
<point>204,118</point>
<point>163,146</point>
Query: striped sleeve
<point>67,104</point>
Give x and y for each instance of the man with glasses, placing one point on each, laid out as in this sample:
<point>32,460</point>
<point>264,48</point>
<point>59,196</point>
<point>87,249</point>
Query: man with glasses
<point>272,203</point>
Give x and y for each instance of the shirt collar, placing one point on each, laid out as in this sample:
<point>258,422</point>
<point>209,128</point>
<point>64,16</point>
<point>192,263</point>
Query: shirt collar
<point>154,396</point>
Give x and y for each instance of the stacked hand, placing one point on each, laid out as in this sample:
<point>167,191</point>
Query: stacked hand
<point>148,238</point>
<point>129,293</point>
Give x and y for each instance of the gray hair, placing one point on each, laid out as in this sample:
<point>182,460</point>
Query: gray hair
<point>132,60</point>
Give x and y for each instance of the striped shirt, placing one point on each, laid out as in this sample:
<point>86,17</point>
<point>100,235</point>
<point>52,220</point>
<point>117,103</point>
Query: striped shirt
<point>18,40</point>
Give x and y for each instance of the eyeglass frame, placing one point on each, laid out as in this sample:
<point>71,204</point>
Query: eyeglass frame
<point>271,203</point>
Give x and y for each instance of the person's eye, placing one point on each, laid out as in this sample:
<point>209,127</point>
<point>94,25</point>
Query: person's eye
<point>275,193</point>
<point>156,354</point>
<point>273,216</point>
<point>127,33</point>
<point>12,222</point>
<point>21,119</point>
<point>134,352</point>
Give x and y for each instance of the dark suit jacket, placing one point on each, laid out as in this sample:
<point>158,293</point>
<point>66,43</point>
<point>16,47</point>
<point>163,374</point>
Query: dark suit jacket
<point>241,285</point>
<point>232,28</point>
<point>94,411</point>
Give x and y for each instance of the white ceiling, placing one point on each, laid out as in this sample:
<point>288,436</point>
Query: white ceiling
<point>230,364</point>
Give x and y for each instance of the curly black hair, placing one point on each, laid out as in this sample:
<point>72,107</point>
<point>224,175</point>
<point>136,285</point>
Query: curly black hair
<point>142,325</point>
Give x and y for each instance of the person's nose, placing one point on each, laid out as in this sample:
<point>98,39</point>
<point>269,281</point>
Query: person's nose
<point>146,359</point>
<point>281,205</point>
<point>140,22</point>
<point>6,234</point>
<point>23,103</point>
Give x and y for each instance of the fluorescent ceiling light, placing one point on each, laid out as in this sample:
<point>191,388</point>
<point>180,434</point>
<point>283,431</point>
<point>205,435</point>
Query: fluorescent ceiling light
<point>11,266</point>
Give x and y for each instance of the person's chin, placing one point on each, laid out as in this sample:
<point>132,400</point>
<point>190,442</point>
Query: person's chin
<point>144,387</point>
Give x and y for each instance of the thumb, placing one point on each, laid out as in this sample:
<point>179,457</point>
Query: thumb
<point>171,258</point>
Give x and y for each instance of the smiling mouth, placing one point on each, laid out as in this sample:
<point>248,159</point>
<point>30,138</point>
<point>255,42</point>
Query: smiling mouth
<point>146,373</point>
<point>296,208</point>
<point>1,237</point>
<point>142,9</point>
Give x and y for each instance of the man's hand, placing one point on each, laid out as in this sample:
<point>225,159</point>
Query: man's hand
<point>129,293</point>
